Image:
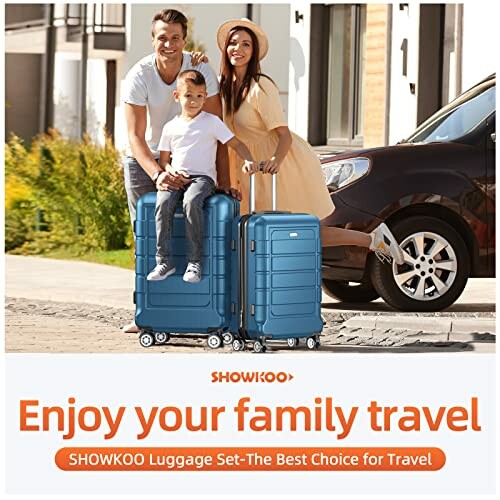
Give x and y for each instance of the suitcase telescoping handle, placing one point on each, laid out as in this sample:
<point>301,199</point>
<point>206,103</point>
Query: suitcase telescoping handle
<point>252,191</point>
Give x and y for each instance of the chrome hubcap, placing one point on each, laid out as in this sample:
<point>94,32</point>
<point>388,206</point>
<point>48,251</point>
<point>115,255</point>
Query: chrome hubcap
<point>429,269</point>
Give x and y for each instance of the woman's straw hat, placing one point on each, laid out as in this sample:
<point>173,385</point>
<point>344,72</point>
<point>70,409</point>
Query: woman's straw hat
<point>226,27</point>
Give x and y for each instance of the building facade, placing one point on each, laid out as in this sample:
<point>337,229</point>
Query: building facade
<point>349,75</point>
<point>368,74</point>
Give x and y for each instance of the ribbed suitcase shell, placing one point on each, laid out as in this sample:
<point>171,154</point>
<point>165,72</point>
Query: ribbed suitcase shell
<point>172,305</point>
<point>280,265</point>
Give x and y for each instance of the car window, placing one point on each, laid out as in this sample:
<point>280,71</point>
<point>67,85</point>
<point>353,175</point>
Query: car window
<point>455,121</point>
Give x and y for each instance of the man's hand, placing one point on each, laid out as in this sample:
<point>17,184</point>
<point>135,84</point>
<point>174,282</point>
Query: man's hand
<point>171,181</point>
<point>234,193</point>
<point>198,57</point>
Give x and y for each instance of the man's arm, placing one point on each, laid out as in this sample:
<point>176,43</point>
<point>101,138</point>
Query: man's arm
<point>136,119</point>
<point>213,105</point>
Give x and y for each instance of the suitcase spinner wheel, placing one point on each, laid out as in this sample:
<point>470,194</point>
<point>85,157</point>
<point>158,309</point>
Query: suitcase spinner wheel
<point>312,342</point>
<point>146,339</point>
<point>162,337</point>
<point>238,345</point>
<point>227,338</point>
<point>214,341</point>
<point>259,346</point>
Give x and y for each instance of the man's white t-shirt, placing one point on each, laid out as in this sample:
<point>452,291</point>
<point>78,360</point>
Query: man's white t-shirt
<point>144,86</point>
<point>193,143</point>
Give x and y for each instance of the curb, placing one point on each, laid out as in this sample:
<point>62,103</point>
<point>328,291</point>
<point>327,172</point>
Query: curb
<point>453,328</point>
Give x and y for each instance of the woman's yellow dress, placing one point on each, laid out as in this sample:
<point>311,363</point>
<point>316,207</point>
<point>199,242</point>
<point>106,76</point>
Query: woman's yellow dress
<point>301,186</point>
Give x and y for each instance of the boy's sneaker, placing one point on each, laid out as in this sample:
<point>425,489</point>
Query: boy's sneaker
<point>385,245</point>
<point>193,272</point>
<point>160,272</point>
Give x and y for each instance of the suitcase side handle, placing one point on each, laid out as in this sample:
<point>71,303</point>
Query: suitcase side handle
<point>252,191</point>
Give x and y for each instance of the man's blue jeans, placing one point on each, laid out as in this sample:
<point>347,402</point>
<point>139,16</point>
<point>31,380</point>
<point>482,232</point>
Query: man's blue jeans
<point>193,198</point>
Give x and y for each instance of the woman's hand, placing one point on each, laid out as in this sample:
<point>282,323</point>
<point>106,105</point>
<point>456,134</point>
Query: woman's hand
<point>250,167</point>
<point>198,57</point>
<point>270,166</point>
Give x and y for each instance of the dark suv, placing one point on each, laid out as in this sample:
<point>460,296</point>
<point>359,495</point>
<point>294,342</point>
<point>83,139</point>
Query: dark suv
<point>436,191</point>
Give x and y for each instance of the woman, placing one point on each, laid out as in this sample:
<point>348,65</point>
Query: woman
<point>252,110</point>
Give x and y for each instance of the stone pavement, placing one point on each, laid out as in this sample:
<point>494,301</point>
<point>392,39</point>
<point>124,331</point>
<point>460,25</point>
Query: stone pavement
<point>68,281</point>
<point>69,306</point>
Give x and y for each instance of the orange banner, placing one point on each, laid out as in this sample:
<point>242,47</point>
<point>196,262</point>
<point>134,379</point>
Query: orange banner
<point>250,459</point>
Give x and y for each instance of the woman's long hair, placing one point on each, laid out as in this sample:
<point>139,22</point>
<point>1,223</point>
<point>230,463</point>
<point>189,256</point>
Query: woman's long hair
<point>232,98</point>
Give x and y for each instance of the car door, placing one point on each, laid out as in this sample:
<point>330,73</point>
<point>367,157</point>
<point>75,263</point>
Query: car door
<point>490,144</point>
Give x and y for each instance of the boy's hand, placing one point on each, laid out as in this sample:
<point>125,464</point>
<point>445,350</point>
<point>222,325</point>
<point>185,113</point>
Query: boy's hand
<point>198,57</point>
<point>234,193</point>
<point>250,167</point>
<point>170,180</point>
<point>182,172</point>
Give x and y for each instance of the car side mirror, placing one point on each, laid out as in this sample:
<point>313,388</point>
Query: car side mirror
<point>494,137</point>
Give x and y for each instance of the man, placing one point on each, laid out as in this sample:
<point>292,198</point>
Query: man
<point>148,93</point>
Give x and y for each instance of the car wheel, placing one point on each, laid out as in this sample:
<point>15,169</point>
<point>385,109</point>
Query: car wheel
<point>348,291</point>
<point>435,270</point>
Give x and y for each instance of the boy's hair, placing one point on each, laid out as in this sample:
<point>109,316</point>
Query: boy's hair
<point>170,16</point>
<point>192,76</point>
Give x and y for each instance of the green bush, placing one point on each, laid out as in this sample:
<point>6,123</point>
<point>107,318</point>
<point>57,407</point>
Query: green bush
<point>17,228</point>
<point>76,197</point>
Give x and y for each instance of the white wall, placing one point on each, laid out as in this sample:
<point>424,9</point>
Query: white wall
<point>299,43</point>
<point>403,104</point>
<point>67,94</point>
<point>67,91</point>
<point>96,99</point>
<point>480,35</point>
<point>273,19</point>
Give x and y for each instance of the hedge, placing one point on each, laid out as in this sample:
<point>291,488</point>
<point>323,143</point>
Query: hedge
<point>64,193</point>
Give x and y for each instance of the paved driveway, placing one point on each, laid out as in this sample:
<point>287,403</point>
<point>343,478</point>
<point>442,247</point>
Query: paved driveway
<point>69,306</point>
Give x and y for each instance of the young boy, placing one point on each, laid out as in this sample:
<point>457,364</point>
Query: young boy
<point>190,142</point>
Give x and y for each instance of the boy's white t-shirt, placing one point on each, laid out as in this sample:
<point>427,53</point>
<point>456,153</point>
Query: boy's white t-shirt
<point>193,143</point>
<point>143,86</point>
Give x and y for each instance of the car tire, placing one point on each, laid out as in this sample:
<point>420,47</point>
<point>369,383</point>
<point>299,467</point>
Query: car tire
<point>344,291</point>
<point>430,286</point>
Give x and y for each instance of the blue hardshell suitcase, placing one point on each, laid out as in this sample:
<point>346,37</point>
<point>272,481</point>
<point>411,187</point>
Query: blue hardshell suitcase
<point>172,305</point>
<point>278,255</point>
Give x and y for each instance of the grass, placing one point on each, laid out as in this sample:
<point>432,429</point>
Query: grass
<point>118,258</point>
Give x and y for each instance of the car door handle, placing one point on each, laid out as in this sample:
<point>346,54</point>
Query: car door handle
<point>494,137</point>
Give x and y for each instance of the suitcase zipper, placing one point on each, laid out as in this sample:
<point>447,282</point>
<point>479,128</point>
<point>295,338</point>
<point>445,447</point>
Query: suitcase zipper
<point>243,272</point>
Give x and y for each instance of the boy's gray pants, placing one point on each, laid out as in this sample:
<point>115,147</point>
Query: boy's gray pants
<point>193,198</point>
